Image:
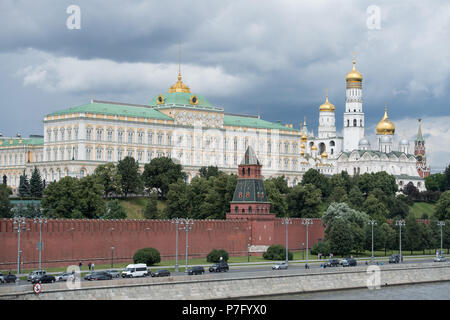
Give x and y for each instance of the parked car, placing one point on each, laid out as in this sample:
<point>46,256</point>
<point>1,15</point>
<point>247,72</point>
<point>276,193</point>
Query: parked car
<point>440,259</point>
<point>63,276</point>
<point>280,266</point>
<point>10,278</point>
<point>219,267</point>
<point>161,273</point>
<point>35,274</point>
<point>331,263</point>
<point>46,278</point>
<point>135,270</point>
<point>2,278</point>
<point>195,270</point>
<point>114,273</point>
<point>98,275</point>
<point>395,258</point>
<point>348,262</point>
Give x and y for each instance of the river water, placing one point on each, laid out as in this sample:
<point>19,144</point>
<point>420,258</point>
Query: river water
<point>426,291</point>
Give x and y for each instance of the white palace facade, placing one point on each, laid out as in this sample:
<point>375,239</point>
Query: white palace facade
<point>187,128</point>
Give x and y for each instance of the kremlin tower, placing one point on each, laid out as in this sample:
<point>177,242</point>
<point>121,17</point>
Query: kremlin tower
<point>419,153</point>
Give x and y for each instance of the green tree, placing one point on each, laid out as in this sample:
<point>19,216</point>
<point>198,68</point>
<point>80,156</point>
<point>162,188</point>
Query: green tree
<point>178,202</point>
<point>276,199</point>
<point>339,194</point>
<point>442,210</point>
<point>375,208</point>
<point>130,180</point>
<point>211,171</point>
<point>322,247</point>
<point>5,205</point>
<point>435,182</point>
<point>160,173</point>
<point>447,178</point>
<point>149,256</point>
<point>304,201</point>
<point>36,185</point>
<point>60,198</point>
<point>215,255</point>
<point>312,176</point>
<point>355,197</point>
<point>115,210</point>
<point>280,184</point>
<point>89,197</point>
<point>151,208</point>
<point>412,234</point>
<point>24,186</point>
<point>340,237</point>
<point>389,237</point>
<point>107,175</point>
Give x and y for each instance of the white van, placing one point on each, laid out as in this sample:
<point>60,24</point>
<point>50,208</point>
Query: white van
<point>135,270</point>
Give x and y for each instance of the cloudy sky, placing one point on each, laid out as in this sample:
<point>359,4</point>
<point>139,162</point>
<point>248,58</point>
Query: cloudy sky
<point>279,56</point>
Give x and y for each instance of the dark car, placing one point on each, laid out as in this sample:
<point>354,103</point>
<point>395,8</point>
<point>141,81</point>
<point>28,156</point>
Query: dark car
<point>219,267</point>
<point>332,263</point>
<point>348,262</point>
<point>98,275</point>
<point>195,270</point>
<point>395,258</point>
<point>161,273</point>
<point>10,278</point>
<point>46,278</point>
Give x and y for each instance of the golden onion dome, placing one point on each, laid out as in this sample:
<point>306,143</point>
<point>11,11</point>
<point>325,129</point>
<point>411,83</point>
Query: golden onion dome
<point>313,147</point>
<point>302,146</point>
<point>179,86</point>
<point>303,137</point>
<point>302,153</point>
<point>385,126</point>
<point>354,75</point>
<point>324,155</point>
<point>327,106</point>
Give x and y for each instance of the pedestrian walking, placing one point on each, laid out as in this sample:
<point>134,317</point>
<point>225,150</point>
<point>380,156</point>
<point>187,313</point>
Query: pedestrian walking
<point>80,265</point>
<point>92,267</point>
<point>89,265</point>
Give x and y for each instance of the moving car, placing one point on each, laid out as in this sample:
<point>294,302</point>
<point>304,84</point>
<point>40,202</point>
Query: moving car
<point>114,273</point>
<point>440,259</point>
<point>161,273</point>
<point>10,278</point>
<point>195,270</point>
<point>46,278</point>
<point>348,262</point>
<point>280,266</point>
<point>331,263</point>
<point>135,270</point>
<point>63,276</point>
<point>395,258</point>
<point>98,275</point>
<point>219,267</point>
<point>35,274</point>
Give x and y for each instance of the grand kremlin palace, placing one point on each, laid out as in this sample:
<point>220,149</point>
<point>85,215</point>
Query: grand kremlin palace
<point>186,127</point>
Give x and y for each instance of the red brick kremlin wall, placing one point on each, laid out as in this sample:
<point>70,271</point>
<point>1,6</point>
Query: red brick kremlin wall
<point>68,241</point>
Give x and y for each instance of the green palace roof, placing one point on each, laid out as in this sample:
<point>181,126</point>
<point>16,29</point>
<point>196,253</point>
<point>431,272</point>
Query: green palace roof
<point>183,99</point>
<point>14,142</point>
<point>252,122</point>
<point>109,108</point>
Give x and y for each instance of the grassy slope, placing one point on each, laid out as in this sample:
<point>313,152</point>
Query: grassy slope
<point>135,206</point>
<point>422,207</point>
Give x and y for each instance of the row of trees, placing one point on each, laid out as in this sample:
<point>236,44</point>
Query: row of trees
<point>348,230</point>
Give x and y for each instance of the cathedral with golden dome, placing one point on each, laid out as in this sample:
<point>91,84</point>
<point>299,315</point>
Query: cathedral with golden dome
<point>186,127</point>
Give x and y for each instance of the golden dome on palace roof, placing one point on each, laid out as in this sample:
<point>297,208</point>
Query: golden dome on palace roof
<point>313,147</point>
<point>179,86</point>
<point>385,126</point>
<point>354,75</point>
<point>303,137</point>
<point>324,155</point>
<point>327,106</point>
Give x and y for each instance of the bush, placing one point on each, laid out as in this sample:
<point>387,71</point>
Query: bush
<point>149,256</point>
<point>214,255</point>
<point>277,252</point>
<point>321,247</point>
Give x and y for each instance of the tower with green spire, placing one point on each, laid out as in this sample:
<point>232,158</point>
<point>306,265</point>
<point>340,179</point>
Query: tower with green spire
<point>419,153</point>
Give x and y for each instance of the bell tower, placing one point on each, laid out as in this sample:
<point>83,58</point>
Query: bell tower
<point>419,153</point>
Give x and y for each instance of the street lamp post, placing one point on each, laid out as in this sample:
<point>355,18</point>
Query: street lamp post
<point>303,249</point>
<point>40,220</point>
<point>307,222</point>
<point>441,224</point>
<point>372,223</point>
<point>248,251</point>
<point>176,221</point>
<point>112,257</point>
<point>19,225</point>
<point>286,221</point>
<point>187,226</point>
<point>400,223</point>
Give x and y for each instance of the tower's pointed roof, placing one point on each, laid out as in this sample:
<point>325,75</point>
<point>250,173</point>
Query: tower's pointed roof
<point>419,132</point>
<point>250,157</point>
